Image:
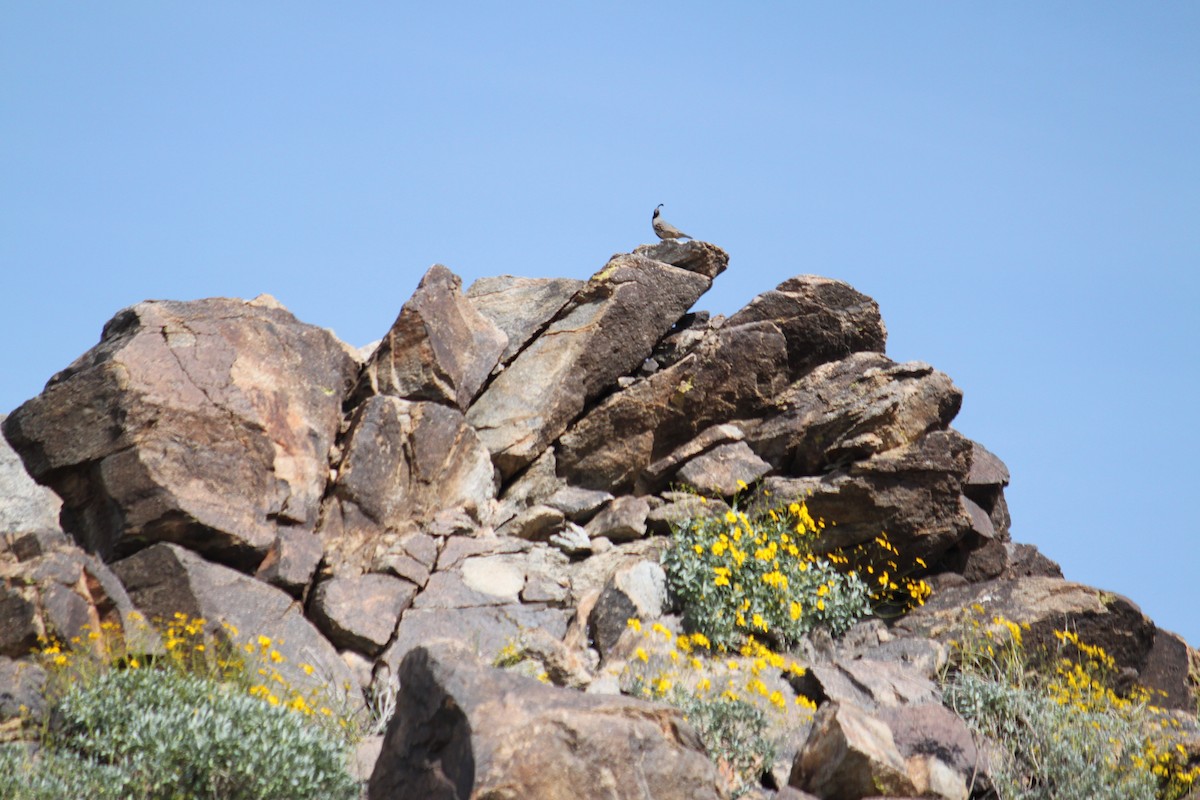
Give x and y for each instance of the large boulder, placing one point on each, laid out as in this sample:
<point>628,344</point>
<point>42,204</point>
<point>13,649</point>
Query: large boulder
<point>164,580</point>
<point>852,409</point>
<point>850,755</point>
<point>205,423</point>
<point>821,319</point>
<point>609,327</point>
<point>467,732</point>
<point>440,348</point>
<point>913,493</point>
<point>403,462</point>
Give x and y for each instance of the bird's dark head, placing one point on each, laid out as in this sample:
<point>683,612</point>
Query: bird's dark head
<point>656,208</point>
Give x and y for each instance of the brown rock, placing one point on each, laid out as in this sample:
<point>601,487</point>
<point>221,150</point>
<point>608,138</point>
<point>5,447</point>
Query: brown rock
<point>635,591</point>
<point>912,493</point>
<point>850,755</point>
<point>164,579</point>
<point>205,423</point>
<point>660,472</point>
<point>1026,561</point>
<point>701,257</point>
<point>931,729</point>
<point>521,307</point>
<point>606,331</point>
<point>622,520</point>
<point>852,409</point>
<point>536,523</point>
<point>403,463</point>
<point>465,732</point>
<point>733,374</point>
<point>361,613</point>
<point>725,470</point>
<point>439,349</point>
<point>21,691</point>
<point>821,319</point>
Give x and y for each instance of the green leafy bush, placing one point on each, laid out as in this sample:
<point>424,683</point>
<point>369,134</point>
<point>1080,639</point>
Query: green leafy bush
<point>175,735</point>
<point>737,735</point>
<point>738,577</point>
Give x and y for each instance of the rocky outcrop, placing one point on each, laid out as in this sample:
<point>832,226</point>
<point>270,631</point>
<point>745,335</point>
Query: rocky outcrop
<point>503,471</point>
<point>471,732</point>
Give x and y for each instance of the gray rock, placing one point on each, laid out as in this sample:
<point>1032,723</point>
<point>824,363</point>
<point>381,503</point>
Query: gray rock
<point>572,540</point>
<point>361,613</point>
<point>521,307</point>
<point>934,741</point>
<point>578,505</point>
<point>165,579</point>
<point>21,690</point>
<point>725,471</point>
<point>291,561</point>
<point>658,473</point>
<point>606,331</point>
<point>622,520</point>
<point>701,257</point>
<point>439,349</point>
<point>638,590</point>
<point>206,423</point>
<point>25,507</point>
<point>462,730</point>
<point>536,524</point>
<point>484,629</point>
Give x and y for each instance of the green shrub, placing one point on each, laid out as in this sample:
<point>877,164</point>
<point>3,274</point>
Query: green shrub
<point>1062,732</point>
<point>736,577</point>
<point>57,775</point>
<point>173,735</point>
<point>737,735</point>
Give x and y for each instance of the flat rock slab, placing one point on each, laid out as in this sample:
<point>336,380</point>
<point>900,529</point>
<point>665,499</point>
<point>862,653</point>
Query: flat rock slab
<point>609,327</point>
<point>164,579</point>
<point>521,307</point>
<point>466,732</point>
<point>361,613</point>
<point>206,423</point>
<point>850,755</point>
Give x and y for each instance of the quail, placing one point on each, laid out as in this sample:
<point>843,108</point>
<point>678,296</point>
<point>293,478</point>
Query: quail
<point>664,229</point>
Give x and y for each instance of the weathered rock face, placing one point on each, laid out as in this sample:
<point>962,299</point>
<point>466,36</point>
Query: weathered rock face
<point>851,755</point>
<point>403,462</point>
<point>731,375</point>
<point>473,732</point>
<point>205,423</point>
<point>521,307</point>
<point>439,349</point>
<point>852,409</point>
<point>606,331</point>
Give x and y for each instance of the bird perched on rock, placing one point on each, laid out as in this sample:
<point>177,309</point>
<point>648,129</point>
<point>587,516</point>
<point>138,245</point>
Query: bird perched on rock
<point>664,229</point>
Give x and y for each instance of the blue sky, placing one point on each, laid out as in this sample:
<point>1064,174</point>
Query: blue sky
<point>1017,184</point>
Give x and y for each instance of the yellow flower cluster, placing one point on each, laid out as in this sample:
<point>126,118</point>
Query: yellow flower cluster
<point>190,646</point>
<point>666,662</point>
